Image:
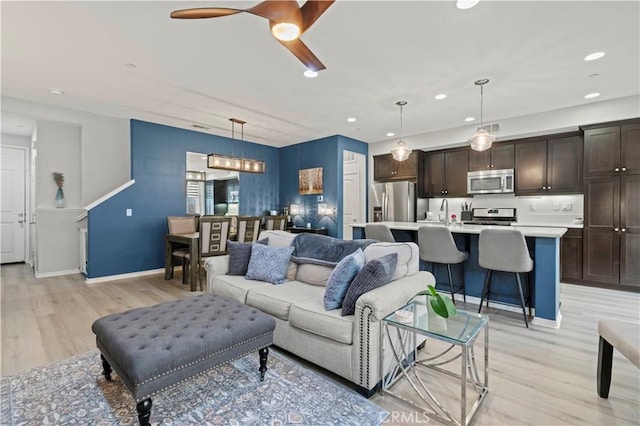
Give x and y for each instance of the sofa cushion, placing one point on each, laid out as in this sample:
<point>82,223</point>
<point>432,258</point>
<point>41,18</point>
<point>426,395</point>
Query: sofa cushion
<point>239,255</point>
<point>269,263</point>
<point>282,239</point>
<point>340,278</point>
<point>310,315</point>
<point>314,274</point>
<point>374,274</point>
<point>235,287</point>
<point>408,256</point>
<point>277,300</point>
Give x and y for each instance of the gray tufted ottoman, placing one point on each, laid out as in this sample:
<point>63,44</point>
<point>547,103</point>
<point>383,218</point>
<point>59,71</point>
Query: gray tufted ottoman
<point>157,347</point>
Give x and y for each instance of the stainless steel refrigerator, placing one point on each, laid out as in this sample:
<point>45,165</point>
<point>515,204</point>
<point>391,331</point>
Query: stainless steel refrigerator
<point>397,200</point>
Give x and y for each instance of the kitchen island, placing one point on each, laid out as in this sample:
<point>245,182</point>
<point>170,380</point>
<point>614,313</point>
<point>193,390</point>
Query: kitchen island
<point>544,248</point>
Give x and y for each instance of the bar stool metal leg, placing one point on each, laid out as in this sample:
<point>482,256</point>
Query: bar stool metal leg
<point>485,290</point>
<point>464,288</point>
<point>524,312</point>
<point>451,283</point>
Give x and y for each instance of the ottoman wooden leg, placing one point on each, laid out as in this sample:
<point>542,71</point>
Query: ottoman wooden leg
<point>144,412</point>
<point>264,353</point>
<point>106,368</point>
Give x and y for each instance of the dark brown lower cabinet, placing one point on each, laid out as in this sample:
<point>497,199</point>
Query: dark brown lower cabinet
<point>571,255</point>
<point>612,230</point>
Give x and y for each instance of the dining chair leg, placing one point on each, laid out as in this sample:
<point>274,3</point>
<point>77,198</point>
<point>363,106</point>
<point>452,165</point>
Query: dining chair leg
<point>185,271</point>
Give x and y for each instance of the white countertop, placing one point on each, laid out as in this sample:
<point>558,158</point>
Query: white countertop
<point>527,231</point>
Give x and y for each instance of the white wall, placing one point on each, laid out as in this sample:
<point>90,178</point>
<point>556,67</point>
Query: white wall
<point>16,140</point>
<point>105,153</point>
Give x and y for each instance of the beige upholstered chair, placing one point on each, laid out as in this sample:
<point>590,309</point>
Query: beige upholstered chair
<point>437,245</point>
<point>248,228</point>
<point>276,223</point>
<point>181,225</point>
<point>380,232</point>
<point>505,250</point>
<point>214,232</point>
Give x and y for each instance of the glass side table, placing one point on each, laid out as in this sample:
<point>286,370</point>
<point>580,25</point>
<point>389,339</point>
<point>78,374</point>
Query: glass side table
<point>461,331</point>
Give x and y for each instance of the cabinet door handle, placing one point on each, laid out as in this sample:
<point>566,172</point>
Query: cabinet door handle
<point>615,229</point>
<point>544,187</point>
<point>623,230</point>
<point>446,192</point>
<point>493,165</point>
<point>624,169</point>
<point>548,187</point>
<point>488,166</point>
<point>617,169</point>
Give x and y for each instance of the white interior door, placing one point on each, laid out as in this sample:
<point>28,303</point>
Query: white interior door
<point>13,221</point>
<point>353,195</point>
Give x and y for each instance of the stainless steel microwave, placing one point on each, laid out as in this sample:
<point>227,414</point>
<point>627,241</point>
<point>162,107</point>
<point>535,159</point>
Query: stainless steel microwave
<point>490,182</point>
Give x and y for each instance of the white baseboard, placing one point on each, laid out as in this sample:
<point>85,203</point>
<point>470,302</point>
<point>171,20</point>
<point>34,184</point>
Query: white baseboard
<point>123,276</point>
<point>542,322</point>
<point>56,273</point>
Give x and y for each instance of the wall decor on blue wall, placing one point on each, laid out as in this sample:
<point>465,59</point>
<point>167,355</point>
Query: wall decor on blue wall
<point>120,244</point>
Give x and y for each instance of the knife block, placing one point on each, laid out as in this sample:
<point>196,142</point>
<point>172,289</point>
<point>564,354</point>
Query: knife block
<point>466,216</point>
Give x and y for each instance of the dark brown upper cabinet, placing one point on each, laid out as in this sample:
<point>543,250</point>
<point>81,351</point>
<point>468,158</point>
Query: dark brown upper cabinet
<point>552,166</point>
<point>386,169</point>
<point>498,157</point>
<point>612,151</point>
<point>445,174</point>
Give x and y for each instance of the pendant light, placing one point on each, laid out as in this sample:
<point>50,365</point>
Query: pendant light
<point>400,152</point>
<point>482,139</point>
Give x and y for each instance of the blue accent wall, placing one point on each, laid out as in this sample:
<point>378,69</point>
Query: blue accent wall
<point>328,154</point>
<point>119,244</point>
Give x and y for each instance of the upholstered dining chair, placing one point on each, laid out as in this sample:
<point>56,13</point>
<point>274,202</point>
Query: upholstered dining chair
<point>277,223</point>
<point>214,232</point>
<point>181,225</point>
<point>380,232</point>
<point>248,228</point>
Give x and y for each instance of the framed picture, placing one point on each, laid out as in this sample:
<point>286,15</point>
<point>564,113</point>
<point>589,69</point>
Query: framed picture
<point>310,181</point>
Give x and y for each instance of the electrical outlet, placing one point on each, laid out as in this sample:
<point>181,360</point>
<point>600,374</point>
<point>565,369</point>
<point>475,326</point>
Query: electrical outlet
<point>129,212</point>
<point>566,207</point>
<point>532,207</point>
<point>320,198</point>
<point>556,207</point>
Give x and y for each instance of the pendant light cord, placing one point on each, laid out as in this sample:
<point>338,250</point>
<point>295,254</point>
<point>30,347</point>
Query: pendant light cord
<point>481,105</point>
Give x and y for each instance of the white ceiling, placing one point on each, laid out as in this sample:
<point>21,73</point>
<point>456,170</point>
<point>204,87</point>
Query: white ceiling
<point>376,52</point>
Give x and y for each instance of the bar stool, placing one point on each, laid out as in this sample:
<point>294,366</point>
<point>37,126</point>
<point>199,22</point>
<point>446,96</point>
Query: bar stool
<point>436,245</point>
<point>379,231</point>
<point>505,250</point>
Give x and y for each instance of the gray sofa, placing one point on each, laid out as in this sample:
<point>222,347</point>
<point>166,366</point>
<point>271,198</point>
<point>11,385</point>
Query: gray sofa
<point>347,346</point>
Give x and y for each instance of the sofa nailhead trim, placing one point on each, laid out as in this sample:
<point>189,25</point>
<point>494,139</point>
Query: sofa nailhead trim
<point>367,311</point>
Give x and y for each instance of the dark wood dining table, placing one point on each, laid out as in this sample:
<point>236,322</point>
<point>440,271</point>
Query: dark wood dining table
<point>191,241</point>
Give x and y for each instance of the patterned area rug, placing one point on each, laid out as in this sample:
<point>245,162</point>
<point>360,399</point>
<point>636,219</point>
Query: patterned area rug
<point>74,392</point>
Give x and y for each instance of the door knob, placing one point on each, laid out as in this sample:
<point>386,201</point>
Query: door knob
<point>21,221</point>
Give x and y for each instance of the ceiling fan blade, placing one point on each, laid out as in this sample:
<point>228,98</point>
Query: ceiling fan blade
<point>312,10</point>
<point>304,54</point>
<point>278,11</point>
<point>204,12</point>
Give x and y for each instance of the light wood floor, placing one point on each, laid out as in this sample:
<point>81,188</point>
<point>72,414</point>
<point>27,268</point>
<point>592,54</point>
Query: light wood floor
<point>538,376</point>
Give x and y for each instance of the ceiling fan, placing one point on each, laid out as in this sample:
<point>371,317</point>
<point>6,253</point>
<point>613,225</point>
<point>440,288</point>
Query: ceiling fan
<point>287,20</point>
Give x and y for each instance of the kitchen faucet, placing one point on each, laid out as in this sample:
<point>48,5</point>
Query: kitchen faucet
<point>445,204</point>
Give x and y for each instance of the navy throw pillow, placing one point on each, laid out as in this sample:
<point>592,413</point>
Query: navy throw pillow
<point>239,255</point>
<point>374,274</point>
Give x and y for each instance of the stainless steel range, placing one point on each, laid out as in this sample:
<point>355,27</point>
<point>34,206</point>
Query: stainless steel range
<point>493,216</point>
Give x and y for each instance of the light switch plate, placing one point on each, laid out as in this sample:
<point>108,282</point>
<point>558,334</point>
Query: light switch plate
<point>129,212</point>
<point>532,207</point>
<point>566,207</point>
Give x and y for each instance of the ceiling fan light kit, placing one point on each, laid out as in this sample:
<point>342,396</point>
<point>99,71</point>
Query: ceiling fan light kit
<point>401,151</point>
<point>482,139</point>
<point>287,21</point>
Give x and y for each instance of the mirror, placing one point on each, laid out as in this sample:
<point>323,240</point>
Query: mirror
<point>210,191</point>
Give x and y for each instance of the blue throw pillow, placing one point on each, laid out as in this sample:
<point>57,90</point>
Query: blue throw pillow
<point>374,274</point>
<point>239,255</point>
<point>269,263</point>
<point>340,278</point>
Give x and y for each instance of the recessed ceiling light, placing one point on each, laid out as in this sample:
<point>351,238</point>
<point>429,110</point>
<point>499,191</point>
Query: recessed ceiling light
<point>441,96</point>
<point>20,126</point>
<point>594,56</point>
<point>56,91</point>
<point>310,73</point>
<point>466,4</point>
<point>351,119</point>
<point>390,134</point>
<point>592,95</point>
<point>469,119</point>
<point>130,65</point>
